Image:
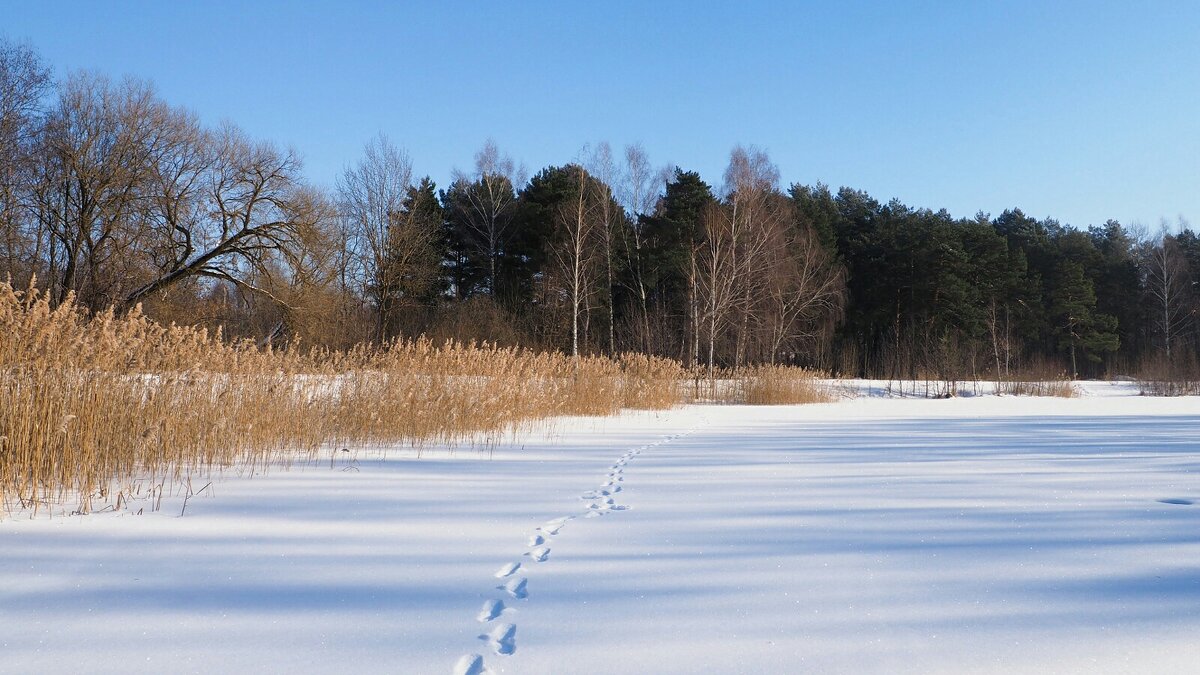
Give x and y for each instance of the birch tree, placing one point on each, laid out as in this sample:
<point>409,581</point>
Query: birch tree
<point>641,188</point>
<point>1168,284</point>
<point>483,205</point>
<point>751,194</point>
<point>573,251</point>
<point>609,222</point>
<point>371,196</point>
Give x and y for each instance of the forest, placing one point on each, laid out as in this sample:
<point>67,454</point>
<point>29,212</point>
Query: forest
<point>112,198</point>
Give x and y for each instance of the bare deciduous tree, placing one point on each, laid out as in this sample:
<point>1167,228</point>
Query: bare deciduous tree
<point>756,214</point>
<point>804,290</point>
<point>641,188</point>
<point>609,226</point>
<point>573,250</point>
<point>24,83</point>
<point>1168,283</point>
<point>99,145</point>
<point>371,197</point>
<point>255,213</point>
<point>488,197</point>
<point>714,270</point>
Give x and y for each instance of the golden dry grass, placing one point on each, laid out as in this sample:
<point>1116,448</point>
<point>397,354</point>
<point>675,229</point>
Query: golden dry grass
<point>759,385</point>
<point>1176,376</point>
<point>1060,388</point>
<point>89,404</point>
<point>780,385</point>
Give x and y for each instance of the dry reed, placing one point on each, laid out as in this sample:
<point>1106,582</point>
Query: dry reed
<point>1179,375</point>
<point>91,405</point>
<point>1060,388</point>
<point>760,385</point>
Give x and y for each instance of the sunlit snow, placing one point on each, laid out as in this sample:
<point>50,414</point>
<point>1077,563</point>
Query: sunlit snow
<point>977,534</point>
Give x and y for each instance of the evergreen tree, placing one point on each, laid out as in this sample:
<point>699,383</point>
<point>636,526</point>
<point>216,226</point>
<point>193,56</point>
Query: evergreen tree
<point>1078,327</point>
<point>673,237</point>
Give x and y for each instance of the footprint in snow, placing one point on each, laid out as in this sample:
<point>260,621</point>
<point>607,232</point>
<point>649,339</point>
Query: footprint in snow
<point>502,639</point>
<point>470,664</point>
<point>608,492</point>
<point>590,494</point>
<point>1177,502</point>
<point>551,528</point>
<point>490,610</point>
<point>536,540</point>
<point>539,554</point>
<point>517,588</point>
<point>507,570</point>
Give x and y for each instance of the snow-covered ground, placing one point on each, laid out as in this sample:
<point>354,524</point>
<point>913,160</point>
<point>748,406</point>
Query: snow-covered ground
<point>982,534</point>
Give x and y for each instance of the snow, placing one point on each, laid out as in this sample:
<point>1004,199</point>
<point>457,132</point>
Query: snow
<point>875,534</point>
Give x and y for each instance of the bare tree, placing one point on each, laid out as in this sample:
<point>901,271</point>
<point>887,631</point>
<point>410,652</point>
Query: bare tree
<point>99,146</point>
<point>573,250</point>
<point>641,188</point>
<point>487,199</point>
<point>24,83</point>
<point>371,197</point>
<point>253,218</point>
<point>751,193</point>
<point>609,226</point>
<point>804,291</point>
<point>714,271</point>
<point>1168,283</point>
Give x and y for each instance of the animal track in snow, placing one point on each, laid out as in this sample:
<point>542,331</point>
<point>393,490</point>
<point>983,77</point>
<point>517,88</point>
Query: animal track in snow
<point>508,570</point>
<point>490,610</point>
<point>552,527</point>
<point>470,664</point>
<point>502,639</point>
<point>517,588</point>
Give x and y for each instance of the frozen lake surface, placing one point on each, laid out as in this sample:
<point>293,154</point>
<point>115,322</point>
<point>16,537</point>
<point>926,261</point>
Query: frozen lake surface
<point>982,534</point>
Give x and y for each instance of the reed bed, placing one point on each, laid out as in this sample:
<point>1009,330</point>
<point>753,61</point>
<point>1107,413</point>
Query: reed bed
<point>1176,376</point>
<point>760,385</point>
<point>94,407</point>
<point>1061,388</point>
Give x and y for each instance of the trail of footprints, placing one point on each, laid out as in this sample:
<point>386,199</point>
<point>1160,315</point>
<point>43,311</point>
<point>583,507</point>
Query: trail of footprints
<point>501,636</point>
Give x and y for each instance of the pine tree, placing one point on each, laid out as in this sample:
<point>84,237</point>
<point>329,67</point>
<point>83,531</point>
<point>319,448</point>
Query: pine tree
<point>1077,325</point>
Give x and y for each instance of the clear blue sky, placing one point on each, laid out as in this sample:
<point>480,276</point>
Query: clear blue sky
<point>1079,110</point>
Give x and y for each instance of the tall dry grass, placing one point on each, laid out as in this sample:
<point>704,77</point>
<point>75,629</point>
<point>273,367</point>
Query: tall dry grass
<point>1178,375</point>
<point>760,385</point>
<point>1038,378</point>
<point>89,405</point>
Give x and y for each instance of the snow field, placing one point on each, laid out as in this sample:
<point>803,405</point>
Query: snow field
<point>988,534</point>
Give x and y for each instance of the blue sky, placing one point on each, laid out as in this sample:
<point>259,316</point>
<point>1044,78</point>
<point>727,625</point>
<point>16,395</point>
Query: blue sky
<point>1075,110</point>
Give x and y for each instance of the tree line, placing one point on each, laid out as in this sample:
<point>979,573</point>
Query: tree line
<point>112,197</point>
